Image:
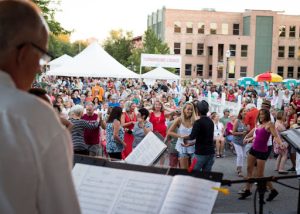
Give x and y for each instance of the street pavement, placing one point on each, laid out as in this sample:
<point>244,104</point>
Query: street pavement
<point>285,203</point>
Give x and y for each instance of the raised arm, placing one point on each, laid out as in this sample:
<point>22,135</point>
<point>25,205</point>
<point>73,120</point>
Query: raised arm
<point>116,128</point>
<point>171,132</point>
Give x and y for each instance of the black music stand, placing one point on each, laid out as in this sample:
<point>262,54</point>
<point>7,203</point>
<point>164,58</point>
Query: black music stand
<point>292,137</point>
<point>213,176</point>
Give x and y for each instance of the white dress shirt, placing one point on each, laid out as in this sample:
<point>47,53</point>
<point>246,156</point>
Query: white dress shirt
<point>35,155</point>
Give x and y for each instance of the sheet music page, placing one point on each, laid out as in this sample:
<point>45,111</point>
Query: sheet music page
<point>107,190</point>
<point>190,195</point>
<point>147,151</point>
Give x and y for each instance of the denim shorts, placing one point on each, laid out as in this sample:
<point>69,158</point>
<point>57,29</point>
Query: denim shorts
<point>185,155</point>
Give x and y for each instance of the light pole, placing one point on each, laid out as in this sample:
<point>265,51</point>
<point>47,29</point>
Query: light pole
<point>227,65</point>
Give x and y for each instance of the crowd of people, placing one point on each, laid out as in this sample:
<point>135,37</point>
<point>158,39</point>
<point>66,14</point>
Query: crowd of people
<point>130,108</point>
<point>110,117</point>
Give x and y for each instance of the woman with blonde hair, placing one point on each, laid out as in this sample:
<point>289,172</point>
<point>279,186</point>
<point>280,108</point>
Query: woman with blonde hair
<point>184,125</point>
<point>158,119</point>
<point>128,120</point>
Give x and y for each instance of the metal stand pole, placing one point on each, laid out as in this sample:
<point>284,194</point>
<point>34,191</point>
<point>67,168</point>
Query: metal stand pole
<point>261,188</point>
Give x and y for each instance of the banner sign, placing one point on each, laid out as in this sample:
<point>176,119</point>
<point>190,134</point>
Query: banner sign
<point>160,60</point>
<point>231,67</point>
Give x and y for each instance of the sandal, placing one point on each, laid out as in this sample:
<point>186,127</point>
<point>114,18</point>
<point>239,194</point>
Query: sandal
<point>218,156</point>
<point>240,174</point>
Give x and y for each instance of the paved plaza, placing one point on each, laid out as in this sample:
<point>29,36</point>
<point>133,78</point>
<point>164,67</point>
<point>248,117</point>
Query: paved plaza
<point>285,202</point>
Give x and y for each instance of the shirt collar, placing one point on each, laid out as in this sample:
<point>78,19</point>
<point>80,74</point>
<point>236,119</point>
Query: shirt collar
<point>6,80</point>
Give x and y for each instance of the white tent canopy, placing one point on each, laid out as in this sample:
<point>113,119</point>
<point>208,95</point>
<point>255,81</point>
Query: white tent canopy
<point>160,74</point>
<point>60,61</point>
<point>93,61</point>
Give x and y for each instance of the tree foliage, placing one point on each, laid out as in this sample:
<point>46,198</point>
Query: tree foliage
<point>119,46</point>
<point>49,13</point>
<point>59,45</point>
<point>153,45</point>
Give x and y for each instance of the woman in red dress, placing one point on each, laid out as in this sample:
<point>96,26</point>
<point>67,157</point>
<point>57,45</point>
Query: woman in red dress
<point>128,119</point>
<point>158,120</point>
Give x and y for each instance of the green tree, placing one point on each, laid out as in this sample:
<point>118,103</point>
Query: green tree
<point>119,46</point>
<point>49,13</point>
<point>153,45</point>
<point>59,45</point>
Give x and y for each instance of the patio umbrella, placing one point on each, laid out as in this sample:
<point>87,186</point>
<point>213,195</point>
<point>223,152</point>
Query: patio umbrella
<point>268,77</point>
<point>290,82</point>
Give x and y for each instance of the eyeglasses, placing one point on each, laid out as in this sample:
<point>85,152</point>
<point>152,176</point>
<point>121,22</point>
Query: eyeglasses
<point>46,56</point>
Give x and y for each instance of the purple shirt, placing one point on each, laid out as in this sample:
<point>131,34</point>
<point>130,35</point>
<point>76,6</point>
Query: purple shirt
<point>260,143</point>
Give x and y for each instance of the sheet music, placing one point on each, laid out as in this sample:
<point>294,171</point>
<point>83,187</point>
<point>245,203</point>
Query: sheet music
<point>147,151</point>
<point>292,137</point>
<point>190,195</point>
<point>107,190</point>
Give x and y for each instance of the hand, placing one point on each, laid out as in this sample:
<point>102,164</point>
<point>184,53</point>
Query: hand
<point>183,137</point>
<point>187,144</point>
<point>124,144</point>
<point>282,146</point>
<point>245,141</point>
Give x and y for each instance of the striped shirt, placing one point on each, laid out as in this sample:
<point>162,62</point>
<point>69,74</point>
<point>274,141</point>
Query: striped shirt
<point>78,133</point>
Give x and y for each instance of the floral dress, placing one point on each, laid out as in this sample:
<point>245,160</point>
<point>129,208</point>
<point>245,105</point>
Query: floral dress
<point>113,146</point>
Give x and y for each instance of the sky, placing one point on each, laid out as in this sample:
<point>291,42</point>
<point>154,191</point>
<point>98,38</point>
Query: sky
<point>96,18</point>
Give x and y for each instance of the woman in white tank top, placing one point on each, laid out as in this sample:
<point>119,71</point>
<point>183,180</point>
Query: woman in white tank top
<point>184,125</point>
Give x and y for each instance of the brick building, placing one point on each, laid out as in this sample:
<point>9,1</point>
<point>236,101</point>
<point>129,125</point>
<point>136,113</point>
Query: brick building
<point>258,40</point>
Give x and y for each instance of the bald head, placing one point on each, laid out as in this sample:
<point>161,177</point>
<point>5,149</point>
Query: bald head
<point>23,41</point>
<point>20,21</point>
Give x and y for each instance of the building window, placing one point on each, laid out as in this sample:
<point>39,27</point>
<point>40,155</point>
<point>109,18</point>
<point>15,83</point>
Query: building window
<point>177,27</point>
<point>188,48</point>
<point>201,28</point>
<point>220,73</point>
<point>280,70</point>
<point>291,51</point>
<point>236,29</point>
<point>298,73</point>
<point>210,71</point>
<point>189,27</point>
<point>298,54</point>
<point>282,31</point>
<point>200,49</point>
<point>292,31</point>
<point>281,51</point>
<point>177,48</point>
<point>232,49</point>
<point>188,69</point>
<point>244,50</point>
<point>177,71</point>
<point>213,28</point>
<point>243,71</point>
<point>210,51</point>
<point>290,73</point>
<point>199,70</point>
<point>225,29</point>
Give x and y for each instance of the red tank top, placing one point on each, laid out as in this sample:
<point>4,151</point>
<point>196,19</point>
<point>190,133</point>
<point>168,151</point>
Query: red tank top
<point>159,123</point>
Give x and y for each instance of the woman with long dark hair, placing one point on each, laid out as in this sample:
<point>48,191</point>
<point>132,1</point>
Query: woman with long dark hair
<point>258,154</point>
<point>115,134</point>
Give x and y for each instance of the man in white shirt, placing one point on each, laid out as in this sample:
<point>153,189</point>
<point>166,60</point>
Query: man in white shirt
<point>36,152</point>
